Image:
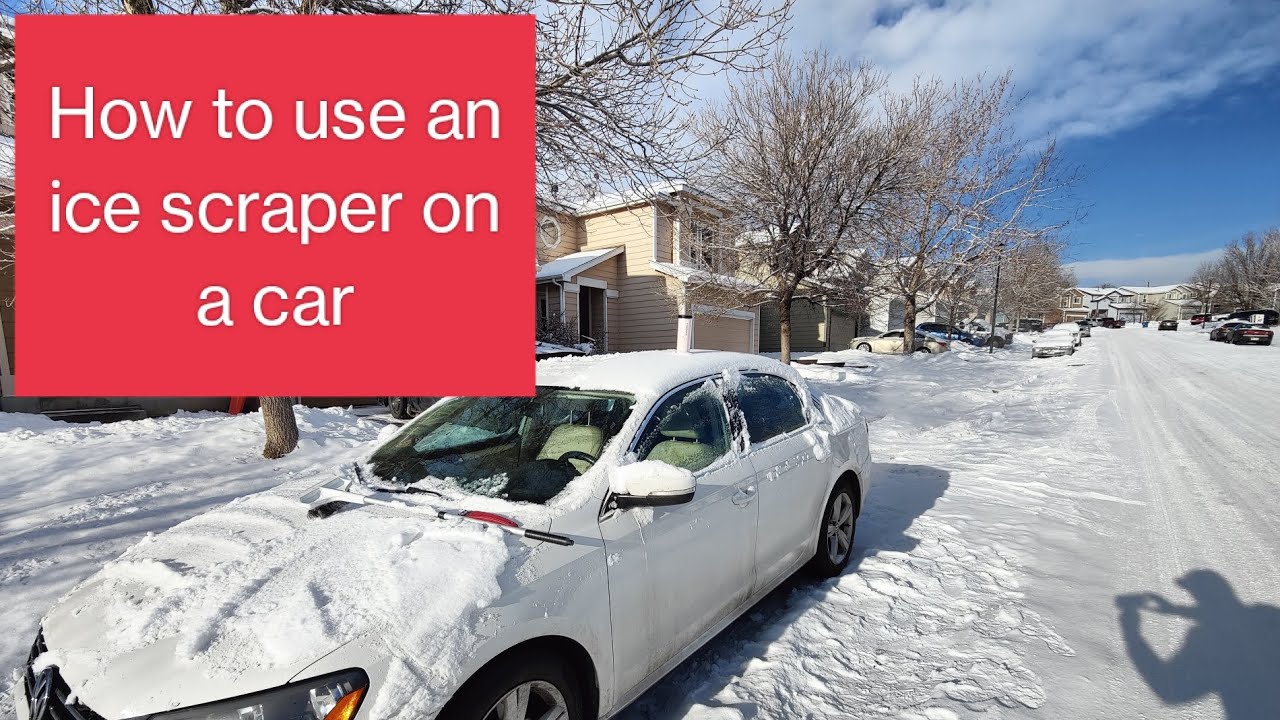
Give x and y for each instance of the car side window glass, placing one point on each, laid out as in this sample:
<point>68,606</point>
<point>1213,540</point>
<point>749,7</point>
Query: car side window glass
<point>770,405</point>
<point>687,430</point>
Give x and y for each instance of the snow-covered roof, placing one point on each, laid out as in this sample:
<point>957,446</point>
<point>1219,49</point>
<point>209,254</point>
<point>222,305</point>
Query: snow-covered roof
<point>687,274</point>
<point>655,191</point>
<point>1126,305</point>
<point>1151,289</point>
<point>1098,292</point>
<point>567,266</point>
<point>653,372</point>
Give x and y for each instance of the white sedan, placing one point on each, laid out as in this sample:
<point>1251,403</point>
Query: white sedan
<point>499,558</point>
<point>891,342</point>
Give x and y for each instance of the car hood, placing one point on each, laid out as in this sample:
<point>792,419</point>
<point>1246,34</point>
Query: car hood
<point>245,597</point>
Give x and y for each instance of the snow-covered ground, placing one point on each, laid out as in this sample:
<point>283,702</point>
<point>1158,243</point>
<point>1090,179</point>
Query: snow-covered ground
<point>1016,503</point>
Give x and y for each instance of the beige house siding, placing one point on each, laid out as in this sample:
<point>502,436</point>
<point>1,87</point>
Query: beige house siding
<point>570,238</point>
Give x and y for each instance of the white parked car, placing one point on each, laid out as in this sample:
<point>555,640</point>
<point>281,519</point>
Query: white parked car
<point>891,342</point>
<point>1062,339</point>
<point>497,558</point>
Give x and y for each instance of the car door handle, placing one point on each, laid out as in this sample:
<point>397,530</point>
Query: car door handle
<point>744,496</point>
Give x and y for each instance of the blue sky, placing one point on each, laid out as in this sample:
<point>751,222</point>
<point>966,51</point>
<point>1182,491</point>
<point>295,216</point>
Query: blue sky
<point>1171,106</point>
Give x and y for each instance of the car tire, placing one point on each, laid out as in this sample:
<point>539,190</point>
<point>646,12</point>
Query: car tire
<point>996,343</point>
<point>924,350</point>
<point>827,561</point>
<point>548,681</point>
<point>864,347</point>
<point>399,408</point>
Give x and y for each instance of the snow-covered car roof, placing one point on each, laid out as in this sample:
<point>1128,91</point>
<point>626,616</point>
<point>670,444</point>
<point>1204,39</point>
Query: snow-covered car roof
<point>652,372</point>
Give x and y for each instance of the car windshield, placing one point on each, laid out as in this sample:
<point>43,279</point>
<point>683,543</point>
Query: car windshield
<point>524,449</point>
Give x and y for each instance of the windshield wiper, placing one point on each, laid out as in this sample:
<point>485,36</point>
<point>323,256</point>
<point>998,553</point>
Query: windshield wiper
<point>399,490</point>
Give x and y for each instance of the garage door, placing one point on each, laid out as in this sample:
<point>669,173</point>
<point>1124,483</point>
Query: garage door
<point>714,332</point>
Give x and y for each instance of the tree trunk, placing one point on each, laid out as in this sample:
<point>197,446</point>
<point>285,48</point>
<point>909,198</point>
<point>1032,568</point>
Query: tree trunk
<point>139,7</point>
<point>909,324</point>
<point>784,326</point>
<point>281,425</point>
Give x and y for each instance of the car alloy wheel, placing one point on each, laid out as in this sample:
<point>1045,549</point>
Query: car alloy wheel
<point>864,347</point>
<point>532,700</point>
<point>840,528</point>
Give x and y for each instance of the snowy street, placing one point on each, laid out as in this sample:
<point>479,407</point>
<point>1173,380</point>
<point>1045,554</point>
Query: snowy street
<point>1019,554</point>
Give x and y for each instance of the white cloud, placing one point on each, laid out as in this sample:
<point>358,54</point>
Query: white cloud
<point>1086,67</point>
<point>1159,270</point>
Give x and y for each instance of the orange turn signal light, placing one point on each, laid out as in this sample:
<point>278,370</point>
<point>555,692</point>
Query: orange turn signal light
<point>346,707</point>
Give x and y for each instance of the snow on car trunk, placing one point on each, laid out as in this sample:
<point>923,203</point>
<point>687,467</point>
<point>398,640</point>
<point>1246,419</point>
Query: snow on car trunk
<point>257,586</point>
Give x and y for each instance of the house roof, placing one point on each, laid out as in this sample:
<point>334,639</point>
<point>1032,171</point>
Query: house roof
<point>1151,289</point>
<point>686,274</point>
<point>1099,292</point>
<point>566,267</point>
<point>605,202</point>
<point>1126,306</point>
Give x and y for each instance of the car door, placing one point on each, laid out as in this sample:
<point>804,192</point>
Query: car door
<point>676,571</point>
<point>792,479</point>
<point>890,342</point>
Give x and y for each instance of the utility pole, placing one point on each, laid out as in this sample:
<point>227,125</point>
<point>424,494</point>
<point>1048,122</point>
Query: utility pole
<point>995,302</point>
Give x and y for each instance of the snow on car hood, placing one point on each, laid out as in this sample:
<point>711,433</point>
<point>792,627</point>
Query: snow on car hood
<point>242,598</point>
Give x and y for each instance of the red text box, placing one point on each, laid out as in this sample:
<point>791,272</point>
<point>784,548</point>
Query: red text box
<point>409,229</point>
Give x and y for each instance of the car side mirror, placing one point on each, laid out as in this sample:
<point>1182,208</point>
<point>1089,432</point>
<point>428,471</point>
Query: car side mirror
<point>651,483</point>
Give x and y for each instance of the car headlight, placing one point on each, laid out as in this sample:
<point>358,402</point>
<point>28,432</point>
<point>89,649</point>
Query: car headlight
<point>328,697</point>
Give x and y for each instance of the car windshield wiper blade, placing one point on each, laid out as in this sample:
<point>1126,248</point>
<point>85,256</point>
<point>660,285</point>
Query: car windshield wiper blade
<point>397,489</point>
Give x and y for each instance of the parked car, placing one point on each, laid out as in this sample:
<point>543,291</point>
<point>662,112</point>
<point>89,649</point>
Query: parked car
<point>891,342</point>
<point>1223,331</point>
<point>1086,328</point>
<point>1199,319</point>
<point>539,577</point>
<point>1249,334</point>
<point>404,408</point>
<point>1111,322</point>
<point>944,331</point>
<point>1052,343</point>
<point>1260,317</point>
<point>1030,325</point>
<point>996,337</point>
<point>1168,325</point>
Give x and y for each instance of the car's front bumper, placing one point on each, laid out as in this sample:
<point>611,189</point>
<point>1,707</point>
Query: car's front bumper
<point>1051,352</point>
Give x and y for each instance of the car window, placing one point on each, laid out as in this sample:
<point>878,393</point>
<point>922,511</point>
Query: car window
<point>770,405</point>
<point>688,430</point>
<point>893,334</point>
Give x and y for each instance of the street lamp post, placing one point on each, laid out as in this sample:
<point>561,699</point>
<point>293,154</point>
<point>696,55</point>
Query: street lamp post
<point>995,302</point>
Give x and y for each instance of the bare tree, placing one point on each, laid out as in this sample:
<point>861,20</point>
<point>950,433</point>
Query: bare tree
<point>1250,269</point>
<point>1206,284</point>
<point>1033,277</point>
<point>614,78</point>
<point>978,188</point>
<point>805,160</point>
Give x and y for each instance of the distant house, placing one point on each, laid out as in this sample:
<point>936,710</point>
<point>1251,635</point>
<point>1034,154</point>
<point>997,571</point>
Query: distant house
<point>1133,303</point>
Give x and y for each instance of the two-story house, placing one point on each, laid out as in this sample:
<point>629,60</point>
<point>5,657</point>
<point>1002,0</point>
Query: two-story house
<point>616,269</point>
<point>1132,303</point>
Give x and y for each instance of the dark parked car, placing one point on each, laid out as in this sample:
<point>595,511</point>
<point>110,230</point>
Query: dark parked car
<point>1199,319</point>
<point>1030,325</point>
<point>1249,334</point>
<point>944,331</point>
<point>1168,325</point>
<point>1223,331</point>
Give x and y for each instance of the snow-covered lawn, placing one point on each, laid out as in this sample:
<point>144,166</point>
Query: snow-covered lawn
<point>1014,500</point>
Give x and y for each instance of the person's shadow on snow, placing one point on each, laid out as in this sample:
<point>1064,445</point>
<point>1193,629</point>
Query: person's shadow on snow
<point>1232,650</point>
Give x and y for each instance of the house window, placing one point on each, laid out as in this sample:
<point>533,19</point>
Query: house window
<point>1077,300</point>
<point>700,252</point>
